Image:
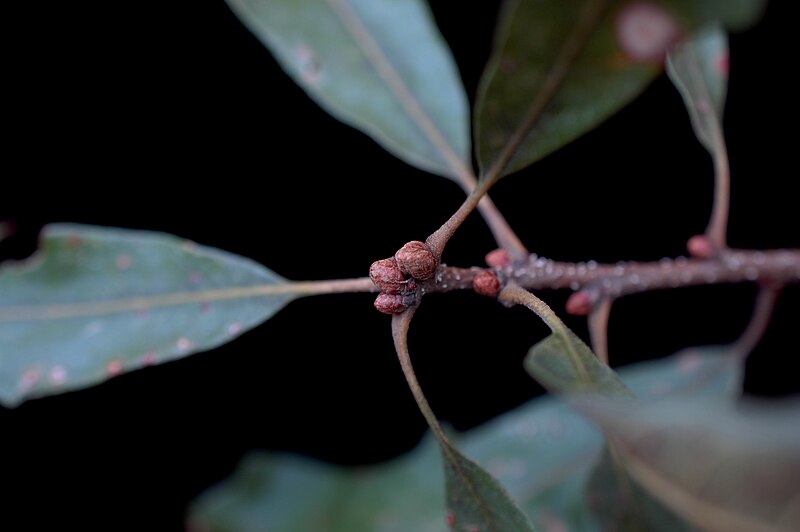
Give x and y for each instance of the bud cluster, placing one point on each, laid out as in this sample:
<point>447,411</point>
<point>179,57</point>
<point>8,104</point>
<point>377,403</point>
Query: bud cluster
<point>397,277</point>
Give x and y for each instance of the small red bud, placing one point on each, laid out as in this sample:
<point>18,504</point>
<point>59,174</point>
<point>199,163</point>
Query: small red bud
<point>498,258</point>
<point>416,259</point>
<point>486,284</point>
<point>700,246</point>
<point>390,303</point>
<point>387,276</point>
<point>579,304</point>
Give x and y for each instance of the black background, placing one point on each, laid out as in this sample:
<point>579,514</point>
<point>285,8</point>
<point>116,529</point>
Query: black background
<point>170,116</point>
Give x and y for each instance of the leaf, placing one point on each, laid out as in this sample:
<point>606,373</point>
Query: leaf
<point>378,65</point>
<point>721,466</point>
<point>543,454</point>
<point>476,501</point>
<point>294,494</point>
<point>290,493</point>
<point>563,363</point>
<point>711,373</point>
<point>561,67</point>
<point>699,69</point>
<point>95,302</point>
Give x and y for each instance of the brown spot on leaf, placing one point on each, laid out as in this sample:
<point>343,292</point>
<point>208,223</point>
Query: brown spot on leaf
<point>308,64</point>
<point>645,31</point>
<point>58,375</point>
<point>722,63</point>
<point>114,367</point>
<point>122,262</point>
<point>29,379</point>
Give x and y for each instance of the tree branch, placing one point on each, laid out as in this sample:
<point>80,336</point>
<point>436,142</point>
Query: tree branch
<point>600,281</point>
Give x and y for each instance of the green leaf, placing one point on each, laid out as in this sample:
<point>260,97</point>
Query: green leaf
<point>543,454</point>
<point>95,302</point>
<point>561,67</point>
<point>378,65</point>
<point>531,450</point>
<point>563,363</point>
<point>699,69</point>
<point>292,494</point>
<point>721,466</point>
<point>476,501</point>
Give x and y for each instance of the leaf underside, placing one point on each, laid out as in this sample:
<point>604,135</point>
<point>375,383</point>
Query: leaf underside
<point>721,466</point>
<point>542,453</point>
<point>380,66</point>
<point>95,302</point>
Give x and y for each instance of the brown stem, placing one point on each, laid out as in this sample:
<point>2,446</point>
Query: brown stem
<point>598,328</point>
<point>438,239</point>
<point>718,223</point>
<point>614,280</point>
<point>505,237</point>
<point>400,324</point>
<point>454,459</point>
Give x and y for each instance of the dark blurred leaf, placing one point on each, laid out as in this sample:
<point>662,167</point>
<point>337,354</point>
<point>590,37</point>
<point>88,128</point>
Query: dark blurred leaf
<point>565,365</point>
<point>721,466</point>
<point>378,65</point>
<point>561,67</point>
<point>542,453</point>
<point>95,302</point>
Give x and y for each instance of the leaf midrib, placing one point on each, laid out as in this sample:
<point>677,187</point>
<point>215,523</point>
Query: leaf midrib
<point>142,303</point>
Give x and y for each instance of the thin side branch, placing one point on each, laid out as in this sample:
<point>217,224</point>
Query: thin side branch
<point>439,238</point>
<point>598,328</point>
<point>400,325</point>
<point>505,237</point>
<point>718,223</point>
<point>762,313</point>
